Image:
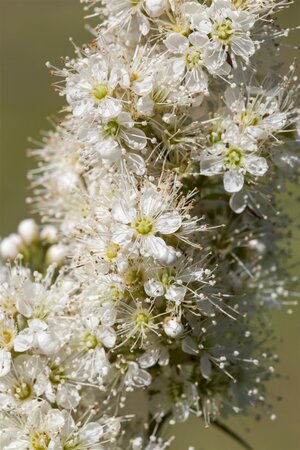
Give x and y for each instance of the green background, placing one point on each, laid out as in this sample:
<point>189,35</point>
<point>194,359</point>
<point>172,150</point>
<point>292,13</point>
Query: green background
<point>35,31</point>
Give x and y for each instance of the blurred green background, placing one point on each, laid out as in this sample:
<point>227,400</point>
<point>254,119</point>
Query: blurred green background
<point>35,31</point>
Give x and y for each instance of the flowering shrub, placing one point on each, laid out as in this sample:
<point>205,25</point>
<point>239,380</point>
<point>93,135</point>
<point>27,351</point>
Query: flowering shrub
<point>157,256</point>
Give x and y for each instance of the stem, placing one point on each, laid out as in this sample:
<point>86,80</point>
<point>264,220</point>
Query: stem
<point>156,426</point>
<point>232,434</point>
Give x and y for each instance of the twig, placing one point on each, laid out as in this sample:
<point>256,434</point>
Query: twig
<point>232,434</point>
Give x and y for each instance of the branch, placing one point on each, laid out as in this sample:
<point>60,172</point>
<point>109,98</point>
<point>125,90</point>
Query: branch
<point>232,434</point>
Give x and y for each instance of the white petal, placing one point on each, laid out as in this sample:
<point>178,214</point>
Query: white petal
<point>136,163</point>
<point>176,293</point>
<point>107,336</point>
<point>5,360</point>
<point>233,180</point>
<point>158,249</point>
<point>211,166</point>
<point>123,212</point>
<point>154,288</point>
<point>91,433</point>
<point>109,150</point>
<point>135,138</point>
<point>173,327</point>
<point>243,46</point>
<point>168,223</point>
<point>82,107</point>
<point>256,165</point>
<point>47,343</point>
<point>145,106</point>
<point>24,340</point>
<point>238,202</point>
<point>176,43</point>
<point>151,203</point>
<point>109,108</point>
<point>122,234</point>
<point>196,81</point>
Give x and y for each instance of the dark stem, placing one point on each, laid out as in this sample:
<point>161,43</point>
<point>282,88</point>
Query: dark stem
<point>232,434</point>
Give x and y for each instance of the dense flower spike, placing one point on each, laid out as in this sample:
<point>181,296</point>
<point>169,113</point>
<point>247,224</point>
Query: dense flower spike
<point>155,263</point>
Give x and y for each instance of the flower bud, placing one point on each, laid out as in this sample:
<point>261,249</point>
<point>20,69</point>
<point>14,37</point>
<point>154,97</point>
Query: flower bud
<point>56,254</point>
<point>10,246</point>
<point>49,234</point>
<point>155,7</point>
<point>28,230</point>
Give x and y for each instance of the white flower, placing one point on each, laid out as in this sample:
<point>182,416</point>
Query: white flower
<point>113,139</point>
<point>258,111</point>
<point>90,90</point>
<point>193,56</point>
<point>234,156</point>
<point>35,429</point>
<point>140,216</point>
<point>19,385</point>
<point>228,30</point>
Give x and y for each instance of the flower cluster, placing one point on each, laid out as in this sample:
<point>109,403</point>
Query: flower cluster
<point>156,264</point>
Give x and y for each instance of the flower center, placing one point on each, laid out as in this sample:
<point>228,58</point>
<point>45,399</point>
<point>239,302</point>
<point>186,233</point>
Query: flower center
<point>22,390</point>
<point>250,119</point>
<point>112,129</point>
<point>143,226</point>
<point>40,441</point>
<point>112,251</point>
<point>7,337</point>
<point>193,57</point>
<point>215,136</point>
<point>224,30</point>
<point>234,158</point>
<point>116,293</point>
<point>56,374</point>
<point>100,91</point>
<point>133,277</point>
<point>90,341</point>
<point>142,318</point>
<point>134,76</point>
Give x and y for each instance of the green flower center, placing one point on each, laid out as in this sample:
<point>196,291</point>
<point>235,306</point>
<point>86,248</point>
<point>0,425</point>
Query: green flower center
<point>133,277</point>
<point>57,374</point>
<point>234,158</point>
<point>100,91</point>
<point>112,129</point>
<point>40,441</point>
<point>90,341</point>
<point>143,226</point>
<point>224,30</point>
<point>22,390</point>
<point>250,119</point>
<point>215,136</point>
<point>142,318</point>
<point>193,57</point>
<point>6,337</point>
